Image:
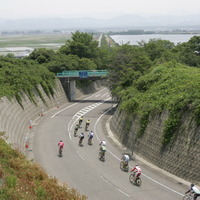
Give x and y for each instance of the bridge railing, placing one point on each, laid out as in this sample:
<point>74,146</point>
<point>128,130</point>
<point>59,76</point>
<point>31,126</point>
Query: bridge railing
<point>83,73</point>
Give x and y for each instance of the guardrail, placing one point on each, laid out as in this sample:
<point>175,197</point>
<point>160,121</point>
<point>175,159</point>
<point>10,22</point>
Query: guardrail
<point>83,73</point>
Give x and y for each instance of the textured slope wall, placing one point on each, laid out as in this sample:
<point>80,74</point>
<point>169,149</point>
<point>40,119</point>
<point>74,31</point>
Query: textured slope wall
<point>181,157</point>
<point>18,123</point>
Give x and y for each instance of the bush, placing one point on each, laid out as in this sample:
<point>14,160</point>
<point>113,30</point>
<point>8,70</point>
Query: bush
<point>170,86</point>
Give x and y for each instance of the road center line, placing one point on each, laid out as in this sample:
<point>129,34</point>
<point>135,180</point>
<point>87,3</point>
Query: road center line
<point>123,192</point>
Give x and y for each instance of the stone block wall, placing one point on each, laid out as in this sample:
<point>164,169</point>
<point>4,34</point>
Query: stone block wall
<point>181,157</point>
<point>17,121</point>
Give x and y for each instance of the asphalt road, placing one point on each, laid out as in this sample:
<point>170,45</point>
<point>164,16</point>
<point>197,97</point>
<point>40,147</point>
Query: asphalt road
<point>80,167</point>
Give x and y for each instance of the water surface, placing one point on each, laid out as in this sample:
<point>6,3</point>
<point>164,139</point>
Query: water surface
<point>134,39</point>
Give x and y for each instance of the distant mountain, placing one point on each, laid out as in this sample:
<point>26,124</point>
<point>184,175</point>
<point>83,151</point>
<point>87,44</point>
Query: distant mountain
<point>129,21</point>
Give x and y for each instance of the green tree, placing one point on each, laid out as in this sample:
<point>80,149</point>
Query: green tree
<point>86,64</point>
<point>42,55</point>
<point>156,48</point>
<point>189,52</point>
<point>82,45</point>
<point>127,63</point>
<point>63,62</point>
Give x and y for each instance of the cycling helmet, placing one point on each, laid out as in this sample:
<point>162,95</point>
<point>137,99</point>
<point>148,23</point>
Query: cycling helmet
<point>60,140</point>
<point>136,164</point>
<point>192,185</point>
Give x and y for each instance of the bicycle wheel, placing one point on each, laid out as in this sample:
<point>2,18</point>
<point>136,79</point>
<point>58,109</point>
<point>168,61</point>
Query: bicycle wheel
<point>90,141</point>
<point>132,178</point>
<point>60,152</point>
<point>100,157</point>
<point>75,133</point>
<point>80,142</point>
<point>186,197</point>
<point>138,181</point>
<point>122,165</point>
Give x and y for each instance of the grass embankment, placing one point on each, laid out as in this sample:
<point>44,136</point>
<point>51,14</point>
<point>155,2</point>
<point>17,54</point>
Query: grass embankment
<point>172,87</point>
<point>21,179</point>
<point>23,76</point>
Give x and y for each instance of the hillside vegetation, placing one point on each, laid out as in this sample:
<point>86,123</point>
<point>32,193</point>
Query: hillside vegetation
<point>156,76</point>
<point>23,76</point>
<point>172,87</point>
<point>21,179</point>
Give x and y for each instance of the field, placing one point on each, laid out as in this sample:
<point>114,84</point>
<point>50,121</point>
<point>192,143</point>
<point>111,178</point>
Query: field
<point>26,43</point>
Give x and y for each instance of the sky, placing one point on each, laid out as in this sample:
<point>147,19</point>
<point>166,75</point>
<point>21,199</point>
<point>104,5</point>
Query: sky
<point>18,9</point>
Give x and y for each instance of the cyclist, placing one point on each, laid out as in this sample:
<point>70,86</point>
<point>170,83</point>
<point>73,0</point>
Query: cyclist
<point>61,144</point>
<point>194,190</point>
<point>125,158</point>
<point>91,135</point>
<point>81,136</point>
<point>76,129</point>
<point>87,124</point>
<point>137,170</point>
<point>103,143</point>
<point>103,151</point>
<point>80,120</point>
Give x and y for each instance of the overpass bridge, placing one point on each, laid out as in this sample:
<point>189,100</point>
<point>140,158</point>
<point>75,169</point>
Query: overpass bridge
<point>83,74</point>
<point>68,79</point>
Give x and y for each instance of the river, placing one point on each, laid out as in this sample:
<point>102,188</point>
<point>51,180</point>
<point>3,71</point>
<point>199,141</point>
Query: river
<point>134,39</point>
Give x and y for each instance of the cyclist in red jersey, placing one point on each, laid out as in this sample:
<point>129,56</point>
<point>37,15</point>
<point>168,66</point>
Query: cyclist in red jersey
<point>61,144</point>
<point>137,170</point>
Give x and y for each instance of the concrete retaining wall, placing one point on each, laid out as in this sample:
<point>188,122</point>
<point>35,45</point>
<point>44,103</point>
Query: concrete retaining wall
<point>181,157</point>
<point>18,123</point>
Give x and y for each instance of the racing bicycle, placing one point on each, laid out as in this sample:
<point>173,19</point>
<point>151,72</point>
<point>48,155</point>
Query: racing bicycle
<point>60,152</point>
<point>189,196</point>
<point>101,155</point>
<point>137,181</point>
<point>124,166</point>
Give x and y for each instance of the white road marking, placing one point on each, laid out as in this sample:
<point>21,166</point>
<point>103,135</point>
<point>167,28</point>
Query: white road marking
<point>109,182</point>
<point>123,192</point>
<point>80,155</point>
<point>105,94</point>
<point>130,166</point>
<point>108,149</point>
<point>79,114</point>
<point>162,185</point>
<point>76,103</point>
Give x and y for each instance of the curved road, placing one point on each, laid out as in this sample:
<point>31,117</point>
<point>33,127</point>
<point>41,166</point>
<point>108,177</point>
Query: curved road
<point>80,167</point>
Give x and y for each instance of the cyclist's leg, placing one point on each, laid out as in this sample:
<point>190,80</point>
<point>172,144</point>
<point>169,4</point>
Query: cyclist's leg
<point>60,151</point>
<point>195,196</point>
<point>137,175</point>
